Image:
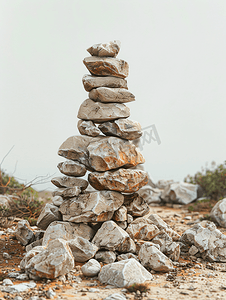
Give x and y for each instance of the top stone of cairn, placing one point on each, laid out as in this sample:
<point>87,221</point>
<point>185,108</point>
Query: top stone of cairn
<point>106,49</point>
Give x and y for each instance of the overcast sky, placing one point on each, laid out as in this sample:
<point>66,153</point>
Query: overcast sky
<point>176,51</point>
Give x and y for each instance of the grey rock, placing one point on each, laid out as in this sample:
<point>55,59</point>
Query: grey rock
<point>105,257</point>
<point>91,268</point>
<point>167,246</point>
<point>91,206</point>
<point>124,273</point>
<point>34,244</point>
<point>150,194</point>
<point>67,192</point>
<point>18,288</point>
<point>143,229</point>
<point>125,256</point>
<point>90,82</point>
<point>129,219</point>
<point>107,66</point>
<point>218,212</point>
<point>102,112</point>
<point>23,232</point>
<point>105,49</point>
<point>122,224</point>
<point>136,206</point>
<point>72,168</point>
<point>49,214</point>
<point>115,95</point>
<point>69,182</point>
<point>57,200</point>
<point>82,249</point>
<point>193,250</point>
<point>88,128</point>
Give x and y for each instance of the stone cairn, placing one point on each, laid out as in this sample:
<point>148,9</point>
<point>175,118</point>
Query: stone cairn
<point>105,220</point>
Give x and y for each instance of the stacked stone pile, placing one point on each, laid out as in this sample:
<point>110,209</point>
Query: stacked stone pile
<point>110,222</point>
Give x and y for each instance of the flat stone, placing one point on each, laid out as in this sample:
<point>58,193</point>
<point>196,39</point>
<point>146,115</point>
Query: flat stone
<point>57,200</point>
<point>105,49</point>
<point>124,273</point>
<point>89,151</point>
<point>102,112</point>
<point>72,168</point>
<point>90,82</point>
<point>91,206</point>
<point>154,259</point>
<point>120,214</point>
<point>23,233</point>
<point>67,231</point>
<point>19,288</point>
<point>115,296</point>
<point>143,229</point>
<point>110,236</point>
<point>69,182</point>
<point>91,268</point>
<point>88,128</point>
<point>107,66</point>
<point>67,192</point>
<point>49,214</point>
<point>123,128</point>
<point>116,95</point>
<point>106,257</point>
<point>55,260</point>
<point>136,206</point>
<point>82,249</point>
<point>218,213</point>
<point>122,180</point>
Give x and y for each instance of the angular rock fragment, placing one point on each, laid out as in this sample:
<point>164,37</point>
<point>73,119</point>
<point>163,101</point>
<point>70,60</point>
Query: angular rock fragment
<point>69,182</point>
<point>55,260</point>
<point>123,128</point>
<point>107,94</point>
<point>91,268</point>
<point>23,233</point>
<point>72,168</point>
<point>88,128</point>
<point>115,296</point>
<point>102,112</point>
<point>122,180</point>
<point>29,255</point>
<point>124,273</point>
<point>122,224</point>
<point>110,236</point>
<point>136,206</point>
<point>120,214</point>
<point>167,246</point>
<point>154,259</point>
<point>67,192</point>
<point>91,82</point>
<point>143,229</point>
<point>57,200</point>
<point>107,66</point>
<point>91,207</point>
<point>34,244</point>
<point>150,194</point>
<point>125,256</point>
<point>218,212</point>
<point>106,257</point>
<point>49,214</point>
<point>67,231</point>
<point>105,49</point>
<point>82,249</point>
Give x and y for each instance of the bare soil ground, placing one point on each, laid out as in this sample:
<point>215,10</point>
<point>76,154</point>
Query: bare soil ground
<point>192,277</point>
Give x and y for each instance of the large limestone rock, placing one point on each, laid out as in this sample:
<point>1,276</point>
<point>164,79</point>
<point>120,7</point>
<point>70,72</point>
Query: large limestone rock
<point>67,231</point>
<point>49,214</point>
<point>136,206</point>
<point>55,260</point>
<point>72,168</point>
<point>143,229</point>
<point>122,180</point>
<point>116,95</point>
<point>101,153</point>
<point>110,236</point>
<point>209,241</point>
<point>218,212</point>
<point>91,207</point>
<point>124,273</point>
<point>105,49</point>
<point>123,128</point>
<point>82,249</point>
<point>154,259</point>
<point>69,182</point>
<point>23,233</point>
<point>91,82</point>
<point>88,128</point>
<point>102,112</point>
<point>107,66</point>
<point>180,192</point>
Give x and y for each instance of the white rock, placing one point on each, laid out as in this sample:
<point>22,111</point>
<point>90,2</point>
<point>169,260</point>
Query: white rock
<point>115,296</point>
<point>110,236</point>
<point>143,229</point>
<point>90,82</point>
<point>67,231</point>
<point>115,95</point>
<point>82,249</point>
<point>72,168</point>
<point>136,206</point>
<point>49,214</point>
<point>7,281</point>
<point>29,255</point>
<point>154,259</point>
<point>162,184</point>
<point>105,49</point>
<point>69,182</point>
<point>124,273</point>
<point>91,268</point>
<point>150,194</point>
<point>23,232</point>
<point>57,200</point>
<point>120,214</point>
<point>88,128</point>
<point>67,192</point>
<point>19,288</point>
<point>125,256</point>
<point>218,212</point>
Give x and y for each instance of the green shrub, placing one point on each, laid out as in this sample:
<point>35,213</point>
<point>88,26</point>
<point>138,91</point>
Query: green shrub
<point>212,180</point>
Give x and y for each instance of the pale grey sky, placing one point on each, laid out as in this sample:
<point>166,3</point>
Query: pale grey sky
<point>176,51</point>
